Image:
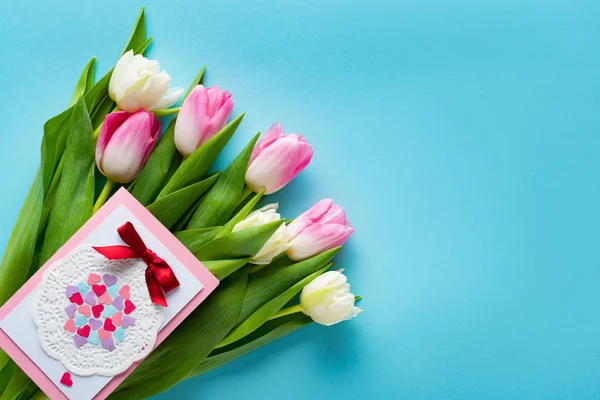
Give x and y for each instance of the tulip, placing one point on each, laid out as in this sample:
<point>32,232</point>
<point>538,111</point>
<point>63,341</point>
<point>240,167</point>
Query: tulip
<point>125,143</point>
<point>203,113</point>
<point>277,159</point>
<point>277,244</point>
<point>137,83</point>
<point>322,227</point>
<point>327,299</point>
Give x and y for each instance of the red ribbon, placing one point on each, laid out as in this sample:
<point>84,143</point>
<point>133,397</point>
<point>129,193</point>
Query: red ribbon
<point>160,278</point>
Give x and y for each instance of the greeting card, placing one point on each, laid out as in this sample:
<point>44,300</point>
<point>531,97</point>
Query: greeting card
<point>103,302</point>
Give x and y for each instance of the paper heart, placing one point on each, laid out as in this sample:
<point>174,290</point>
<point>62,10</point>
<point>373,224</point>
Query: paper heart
<point>119,334</point>
<point>94,338</point>
<point>125,292</point>
<point>90,298</point>
<point>97,310</point>
<point>129,307</point>
<point>71,290</point>
<point>70,326</point>
<point>83,288</point>
<point>80,320</point>
<point>118,303</point>
<point>66,379</point>
<point>79,340</point>
<point>84,331</point>
<point>113,291</point>
<point>109,311</point>
<point>108,344</point>
<point>105,298</point>
<point>128,321</point>
<point>99,289</point>
<point>76,298</point>
<point>109,279</point>
<point>103,335</point>
<point>70,310</point>
<point>93,278</point>
<point>109,326</point>
<point>85,310</point>
<point>118,318</point>
<point>95,324</point>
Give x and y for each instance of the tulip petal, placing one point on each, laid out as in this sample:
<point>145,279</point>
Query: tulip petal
<point>110,125</point>
<point>170,98</point>
<point>274,132</point>
<point>191,121</point>
<point>318,238</point>
<point>154,89</point>
<point>133,73</point>
<point>117,75</point>
<point>308,217</point>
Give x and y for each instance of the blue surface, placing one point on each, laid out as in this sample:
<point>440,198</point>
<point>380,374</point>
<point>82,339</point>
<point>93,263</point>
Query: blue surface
<point>461,137</point>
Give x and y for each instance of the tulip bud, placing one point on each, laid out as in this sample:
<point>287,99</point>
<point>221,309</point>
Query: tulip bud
<point>203,113</point>
<point>277,159</point>
<point>125,143</point>
<point>322,227</point>
<point>277,244</point>
<point>327,299</point>
<point>137,83</point>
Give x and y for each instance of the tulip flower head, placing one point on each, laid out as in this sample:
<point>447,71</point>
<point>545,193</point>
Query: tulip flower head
<point>137,83</point>
<point>327,299</point>
<point>277,244</point>
<point>277,159</point>
<point>322,227</point>
<point>125,143</point>
<point>203,113</point>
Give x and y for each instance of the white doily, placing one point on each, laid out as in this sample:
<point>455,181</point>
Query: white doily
<point>51,317</point>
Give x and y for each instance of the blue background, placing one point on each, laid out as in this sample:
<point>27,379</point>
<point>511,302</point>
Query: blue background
<point>460,136</point>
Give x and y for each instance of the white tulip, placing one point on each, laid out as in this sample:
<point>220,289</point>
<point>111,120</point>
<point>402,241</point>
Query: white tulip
<point>327,299</point>
<point>137,83</point>
<point>277,244</point>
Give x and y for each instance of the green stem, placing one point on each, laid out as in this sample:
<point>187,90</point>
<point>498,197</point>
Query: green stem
<point>104,195</point>
<point>287,311</point>
<point>166,111</point>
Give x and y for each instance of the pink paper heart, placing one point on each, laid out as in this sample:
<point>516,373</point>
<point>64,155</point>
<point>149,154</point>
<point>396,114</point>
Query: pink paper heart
<point>125,292</point>
<point>103,335</point>
<point>105,298</point>
<point>85,310</point>
<point>118,318</point>
<point>93,278</point>
<point>70,326</point>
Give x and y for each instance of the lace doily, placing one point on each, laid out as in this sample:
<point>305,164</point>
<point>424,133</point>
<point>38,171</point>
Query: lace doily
<point>94,314</point>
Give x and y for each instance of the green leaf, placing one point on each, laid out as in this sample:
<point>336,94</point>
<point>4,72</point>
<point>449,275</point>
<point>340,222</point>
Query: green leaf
<point>270,331</point>
<point>18,382</point>
<point>171,208</point>
<point>75,194</point>
<point>239,244</point>
<point>189,344</point>
<point>6,374</point>
<point>221,269</point>
<point>267,284</point>
<point>156,171</point>
<point>183,221</point>
<point>53,144</point>
<point>264,313</point>
<point>104,108</point>
<point>243,213</point>
<point>86,81</point>
<point>21,245</point>
<point>194,239</point>
<point>200,161</point>
<point>222,199</point>
<point>138,34</point>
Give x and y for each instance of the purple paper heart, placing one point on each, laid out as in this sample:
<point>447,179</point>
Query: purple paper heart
<point>71,290</point>
<point>128,321</point>
<point>95,324</point>
<point>79,340</point>
<point>70,310</point>
<point>118,303</point>
<point>109,279</point>
<point>108,344</point>
<point>90,298</point>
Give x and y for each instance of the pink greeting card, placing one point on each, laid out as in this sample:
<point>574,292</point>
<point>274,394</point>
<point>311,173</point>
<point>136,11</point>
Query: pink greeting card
<point>103,302</point>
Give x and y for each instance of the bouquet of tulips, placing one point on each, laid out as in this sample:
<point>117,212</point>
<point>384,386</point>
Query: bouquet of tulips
<point>262,261</point>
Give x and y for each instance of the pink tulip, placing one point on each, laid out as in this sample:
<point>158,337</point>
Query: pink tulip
<point>203,113</point>
<point>277,159</point>
<point>322,227</point>
<point>125,143</point>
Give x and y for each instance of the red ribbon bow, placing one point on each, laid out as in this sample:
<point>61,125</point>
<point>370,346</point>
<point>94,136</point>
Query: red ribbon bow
<point>160,278</point>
